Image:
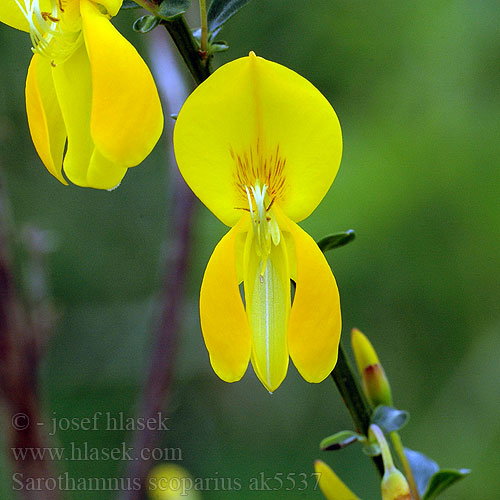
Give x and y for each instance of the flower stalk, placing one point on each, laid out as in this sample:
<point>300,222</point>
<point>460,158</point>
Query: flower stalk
<point>204,30</point>
<point>399,449</point>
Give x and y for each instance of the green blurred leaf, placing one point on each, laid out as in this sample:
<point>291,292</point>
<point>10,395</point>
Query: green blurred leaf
<point>340,440</point>
<point>129,4</point>
<point>218,47</point>
<point>170,9</point>
<point>423,468</point>
<point>389,419</point>
<point>442,480</point>
<point>221,11</point>
<point>336,240</point>
<point>146,23</point>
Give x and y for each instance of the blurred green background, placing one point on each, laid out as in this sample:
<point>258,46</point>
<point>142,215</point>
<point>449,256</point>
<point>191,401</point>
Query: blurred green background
<point>417,89</point>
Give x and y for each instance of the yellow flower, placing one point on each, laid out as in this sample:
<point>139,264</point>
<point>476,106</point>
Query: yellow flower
<point>331,485</point>
<point>92,105</point>
<point>260,146</point>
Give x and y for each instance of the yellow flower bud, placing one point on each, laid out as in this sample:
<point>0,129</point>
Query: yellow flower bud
<point>373,379</point>
<point>395,486</point>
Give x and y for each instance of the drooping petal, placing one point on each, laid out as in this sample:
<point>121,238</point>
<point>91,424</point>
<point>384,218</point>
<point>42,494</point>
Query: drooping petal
<point>267,299</point>
<point>223,319</point>
<point>127,119</point>
<point>331,485</point>
<point>315,320</point>
<point>73,89</point>
<point>255,116</point>
<point>11,14</point>
<point>44,116</point>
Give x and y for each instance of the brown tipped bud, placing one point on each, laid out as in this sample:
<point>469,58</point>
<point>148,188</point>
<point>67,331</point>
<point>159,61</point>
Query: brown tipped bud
<point>395,486</point>
<point>374,381</point>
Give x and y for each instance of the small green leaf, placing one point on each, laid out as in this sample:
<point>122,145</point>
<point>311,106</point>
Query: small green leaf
<point>442,480</point>
<point>389,419</point>
<point>340,440</point>
<point>129,4</point>
<point>423,468</point>
<point>336,240</point>
<point>221,11</point>
<point>217,47</point>
<point>171,9</point>
<point>146,23</point>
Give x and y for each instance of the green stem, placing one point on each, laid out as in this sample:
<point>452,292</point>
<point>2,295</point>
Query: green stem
<point>188,48</point>
<point>353,398</point>
<point>399,449</point>
<point>204,27</point>
<point>196,60</point>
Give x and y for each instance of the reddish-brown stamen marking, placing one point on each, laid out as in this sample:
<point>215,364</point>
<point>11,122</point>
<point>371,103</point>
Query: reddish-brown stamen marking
<point>48,16</point>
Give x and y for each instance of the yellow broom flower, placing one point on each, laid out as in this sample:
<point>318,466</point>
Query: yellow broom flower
<point>92,105</point>
<point>260,146</point>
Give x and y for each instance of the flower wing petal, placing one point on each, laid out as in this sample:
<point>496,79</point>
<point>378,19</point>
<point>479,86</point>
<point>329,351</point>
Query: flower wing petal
<point>44,116</point>
<point>73,89</point>
<point>315,320</point>
<point>223,320</point>
<point>127,118</point>
<point>255,107</point>
<point>331,485</point>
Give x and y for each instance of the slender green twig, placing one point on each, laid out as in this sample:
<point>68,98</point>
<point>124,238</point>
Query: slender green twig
<point>204,28</point>
<point>195,58</point>
<point>353,398</point>
<point>398,447</point>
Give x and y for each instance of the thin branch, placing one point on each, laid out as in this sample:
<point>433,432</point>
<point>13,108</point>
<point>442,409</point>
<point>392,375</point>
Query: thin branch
<point>354,399</point>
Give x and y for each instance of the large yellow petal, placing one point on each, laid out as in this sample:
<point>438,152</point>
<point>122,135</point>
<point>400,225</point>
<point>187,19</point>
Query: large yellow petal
<point>255,112</point>
<point>267,299</point>
<point>11,14</point>
<point>223,320</point>
<point>73,88</point>
<point>127,118</point>
<point>331,485</point>
<point>315,321</point>
<point>44,116</point>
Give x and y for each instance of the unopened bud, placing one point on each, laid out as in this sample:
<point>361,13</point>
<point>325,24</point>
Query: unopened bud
<point>373,379</point>
<point>395,486</point>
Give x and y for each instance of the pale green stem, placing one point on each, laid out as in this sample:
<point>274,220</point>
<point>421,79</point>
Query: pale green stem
<point>204,27</point>
<point>398,447</point>
<point>384,447</point>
